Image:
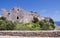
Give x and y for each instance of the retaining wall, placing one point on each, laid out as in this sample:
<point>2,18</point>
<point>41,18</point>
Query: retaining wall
<point>51,33</point>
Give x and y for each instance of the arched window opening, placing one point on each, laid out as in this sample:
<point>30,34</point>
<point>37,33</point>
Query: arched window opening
<point>17,9</point>
<point>8,13</point>
<point>17,17</point>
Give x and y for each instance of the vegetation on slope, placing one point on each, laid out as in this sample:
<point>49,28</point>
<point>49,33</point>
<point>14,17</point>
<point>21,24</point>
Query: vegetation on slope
<point>6,25</point>
<point>34,25</point>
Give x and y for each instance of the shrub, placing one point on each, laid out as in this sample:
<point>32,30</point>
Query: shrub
<point>2,25</point>
<point>51,21</point>
<point>2,18</point>
<point>36,26</point>
<point>6,25</point>
<point>52,26</point>
<point>35,19</point>
<point>10,25</point>
<point>44,25</point>
<point>28,26</point>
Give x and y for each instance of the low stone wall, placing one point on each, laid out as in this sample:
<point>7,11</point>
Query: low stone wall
<point>31,33</point>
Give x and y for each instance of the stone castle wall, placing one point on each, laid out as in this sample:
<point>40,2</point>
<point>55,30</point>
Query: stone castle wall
<point>19,15</point>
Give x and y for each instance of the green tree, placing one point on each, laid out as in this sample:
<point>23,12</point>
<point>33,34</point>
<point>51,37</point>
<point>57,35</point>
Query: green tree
<point>10,25</point>
<point>2,18</point>
<point>35,19</point>
<point>44,25</point>
<point>2,25</point>
<point>6,25</point>
<point>51,21</point>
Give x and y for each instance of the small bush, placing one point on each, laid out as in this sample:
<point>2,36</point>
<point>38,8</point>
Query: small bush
<point>44,25</point>
<point>35,19</point>
<point>6,25</point>
<point>51,21</point>
<point>52,26</point>
<point>2,18</point>
<point>10,25</point>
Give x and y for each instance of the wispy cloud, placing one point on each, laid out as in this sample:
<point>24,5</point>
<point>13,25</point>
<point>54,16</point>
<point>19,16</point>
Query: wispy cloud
<point>44,10</point>
<point>56,15</point>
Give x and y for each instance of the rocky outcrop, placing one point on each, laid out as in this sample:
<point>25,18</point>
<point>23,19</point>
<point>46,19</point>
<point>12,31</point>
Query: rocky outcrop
<point>20,15</point>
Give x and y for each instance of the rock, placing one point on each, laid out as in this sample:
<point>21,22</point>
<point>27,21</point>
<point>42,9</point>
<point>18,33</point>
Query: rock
<point>20,15</point>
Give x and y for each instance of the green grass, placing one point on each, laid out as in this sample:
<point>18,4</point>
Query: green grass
<point>35,25</point>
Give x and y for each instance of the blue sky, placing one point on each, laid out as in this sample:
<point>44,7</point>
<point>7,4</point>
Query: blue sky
<point>49,8</point>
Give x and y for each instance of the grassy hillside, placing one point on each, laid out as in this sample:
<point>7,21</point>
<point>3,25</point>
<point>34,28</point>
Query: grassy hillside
<point>34,25</point>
